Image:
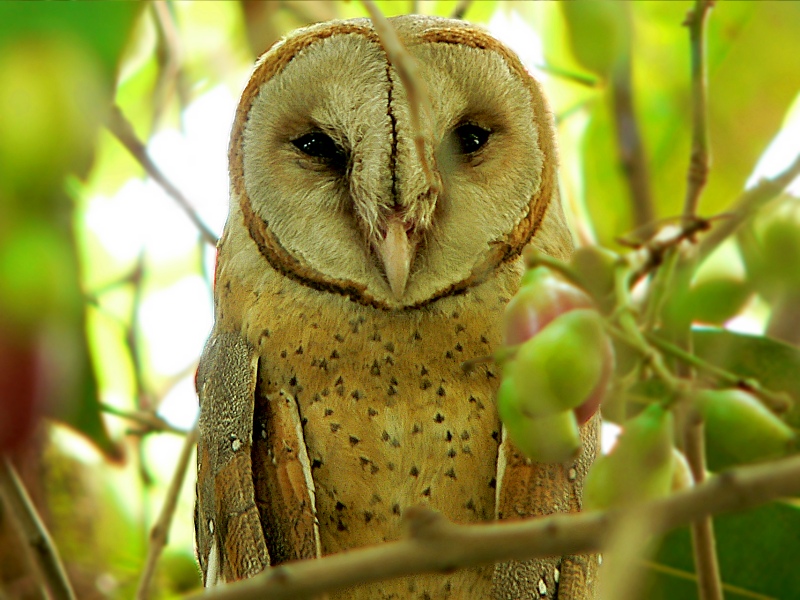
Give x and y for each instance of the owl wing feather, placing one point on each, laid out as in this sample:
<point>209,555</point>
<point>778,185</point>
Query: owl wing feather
<point>230,541</point>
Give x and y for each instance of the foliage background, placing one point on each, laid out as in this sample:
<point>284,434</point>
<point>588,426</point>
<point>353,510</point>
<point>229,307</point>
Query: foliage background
<point>131,274</point>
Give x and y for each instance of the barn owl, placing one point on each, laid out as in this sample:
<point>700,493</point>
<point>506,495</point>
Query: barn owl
<point>350,290</point>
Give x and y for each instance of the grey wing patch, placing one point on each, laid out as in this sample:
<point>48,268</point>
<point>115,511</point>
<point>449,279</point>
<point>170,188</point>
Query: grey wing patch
<point>230,542</point>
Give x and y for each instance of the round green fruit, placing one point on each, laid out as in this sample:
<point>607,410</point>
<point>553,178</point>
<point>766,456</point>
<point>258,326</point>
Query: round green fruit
<point>555,438</point>
<point>740,427</point>
<point>559,368</point>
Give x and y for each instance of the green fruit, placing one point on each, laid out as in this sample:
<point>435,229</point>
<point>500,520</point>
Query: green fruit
<point>552,439</point>
<point>639,468</point>
<point>542,297</point>
<point>596,266</point>
<point>560,367</point>
<point>741,427</point>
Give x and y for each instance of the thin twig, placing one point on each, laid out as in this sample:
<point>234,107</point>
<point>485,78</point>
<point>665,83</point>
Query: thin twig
<point>419,102</point>
<point>699,159</point>
<point>158,535</point>
<point>32,528</point>
<point>435,545</point>
<point>121,128</point>
<point>746,206</point>
<point>461,9</point>
<point>149,420</point>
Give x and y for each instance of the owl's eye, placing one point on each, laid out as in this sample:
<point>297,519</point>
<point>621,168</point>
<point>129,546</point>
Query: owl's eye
<point>471,138</point>
<point>319,145</point>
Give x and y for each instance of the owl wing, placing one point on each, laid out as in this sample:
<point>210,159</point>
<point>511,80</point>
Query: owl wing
<point>229,537</point>
<point>255,495</point>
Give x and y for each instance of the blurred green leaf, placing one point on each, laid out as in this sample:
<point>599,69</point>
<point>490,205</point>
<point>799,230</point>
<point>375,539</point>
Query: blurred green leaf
<point>714,301</point>
<point>599,33</point>
<point>756,550</point>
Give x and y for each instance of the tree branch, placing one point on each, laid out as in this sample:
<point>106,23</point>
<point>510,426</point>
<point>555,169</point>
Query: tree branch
<point>699,159</point>
<point>121,128</point>
<point>34,532</point>
<point>158,535</point>
<point>435,545</point>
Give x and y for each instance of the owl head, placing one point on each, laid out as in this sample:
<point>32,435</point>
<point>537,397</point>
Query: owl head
<point>333,190</point>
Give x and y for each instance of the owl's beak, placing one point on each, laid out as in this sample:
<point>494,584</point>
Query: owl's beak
<point>396,254</point>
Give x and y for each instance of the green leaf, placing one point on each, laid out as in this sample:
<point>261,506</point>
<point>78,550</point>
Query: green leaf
<point>755,550</point>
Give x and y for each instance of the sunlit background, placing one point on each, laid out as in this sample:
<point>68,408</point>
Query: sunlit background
<point>146,270</point>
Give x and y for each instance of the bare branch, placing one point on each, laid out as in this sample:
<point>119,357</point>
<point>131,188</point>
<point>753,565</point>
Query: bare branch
<point>33,530</point>
<point>158,535</point>
<point>123,131</point>
<point>747,205</point>
<point>700,159</point>
<point>435,545</point>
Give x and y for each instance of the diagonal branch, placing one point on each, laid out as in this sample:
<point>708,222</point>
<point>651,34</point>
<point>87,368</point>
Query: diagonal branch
<point>436,545</point>
<point>38,540</point>
<point>123,131</point>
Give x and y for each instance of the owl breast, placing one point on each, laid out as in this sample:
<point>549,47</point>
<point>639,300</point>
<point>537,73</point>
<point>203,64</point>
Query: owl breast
<point>390,419</point>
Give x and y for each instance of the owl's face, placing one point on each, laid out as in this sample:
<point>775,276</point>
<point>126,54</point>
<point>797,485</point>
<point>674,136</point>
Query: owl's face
<point>325,169</point>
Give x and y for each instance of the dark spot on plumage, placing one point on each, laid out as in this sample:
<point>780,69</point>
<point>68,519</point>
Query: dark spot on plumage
<point>395,443</point>
<point>389,346</point>
<point>375,369</point>
<point>364,461</point>
<point>316,398</point>
<point>447,587</point>
<point>375,499</point>
<point>390,466</point>
<point>357,394</point>
<point>425,596</point>
<point>340,390</point>
<point>354,440</point>
<point>470,505</point>
<point>460,328</point>
<point>414,472</point>
<point>451,453</point>
<point>484,340</point>
<point>426,491</point>
<point>325,392</point>
<point>391,391</point>
<point>465,435</point>
<point>438,418</point>
<point>466,449</point>
<point>299,350</point>
<point>416,336</point>
<point>367,516</point>
<point>385,436</point>
<point>283,353</point>
<point>314,363</point>
<point>339,381</point>
<point>328,412</point>
<point>459,348</point>
<point>388,360</point>
<point>265,333</point>
<point>451,472</point>
<point>440,391</point>
<point>341,526</point>
<point>323,364</point>
<point>496,436</point>
<point>448,354</point>
<point>293,381</point>
<point>316,463</point>
<point>338,337</point>
<point>372,412</point>
<point>335,427</point>
<point>340,506</point>
<point>426,383</point>
<point>395,509</point>
<point>490,374</point>
<point>455,315</point>
<point>448,437</point>
<point>373,469</point>
<point>304,421</point>
<point>423,371</point>
<point>376,337</point>
<point>416,428</point>
<point>335,354</point>
<point>493,483</point>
